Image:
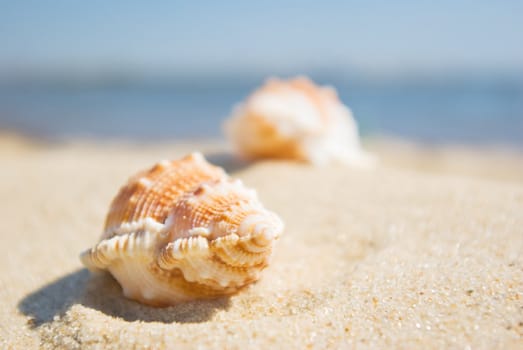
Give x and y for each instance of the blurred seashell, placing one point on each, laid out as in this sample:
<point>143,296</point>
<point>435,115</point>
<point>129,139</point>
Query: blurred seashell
<point>184,230</point>
<point>296,119</point>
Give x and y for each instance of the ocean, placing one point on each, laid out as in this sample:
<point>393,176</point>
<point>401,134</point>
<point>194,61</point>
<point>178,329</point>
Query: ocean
<point>432,111</point>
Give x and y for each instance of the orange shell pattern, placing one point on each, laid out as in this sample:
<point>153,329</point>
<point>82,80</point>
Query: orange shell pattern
<point>153,193</point>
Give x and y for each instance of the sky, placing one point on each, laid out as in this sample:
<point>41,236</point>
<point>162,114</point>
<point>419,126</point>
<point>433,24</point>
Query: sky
<point>154,37</point>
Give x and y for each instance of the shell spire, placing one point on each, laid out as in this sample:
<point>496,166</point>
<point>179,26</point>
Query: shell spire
<point>296,119</point>
<point>184,230</point>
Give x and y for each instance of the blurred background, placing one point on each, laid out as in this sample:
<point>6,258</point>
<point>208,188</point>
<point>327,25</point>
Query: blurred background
<point>431,72</point>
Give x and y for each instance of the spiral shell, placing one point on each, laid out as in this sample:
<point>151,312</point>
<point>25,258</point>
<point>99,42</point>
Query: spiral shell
<point>296,119</point>
<point>184,230</point>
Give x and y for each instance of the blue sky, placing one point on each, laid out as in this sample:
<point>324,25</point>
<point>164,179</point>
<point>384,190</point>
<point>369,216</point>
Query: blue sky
<point>207,36</point>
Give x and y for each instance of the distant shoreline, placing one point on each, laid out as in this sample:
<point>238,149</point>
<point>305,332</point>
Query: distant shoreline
<point>439,111</point>
<point>489,161</point>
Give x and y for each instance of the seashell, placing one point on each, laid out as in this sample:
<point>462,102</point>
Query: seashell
<point>184,230</point>
<point>296,119</point>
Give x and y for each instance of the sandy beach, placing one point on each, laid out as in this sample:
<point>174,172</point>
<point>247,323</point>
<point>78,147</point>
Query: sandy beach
<point>425,251</point>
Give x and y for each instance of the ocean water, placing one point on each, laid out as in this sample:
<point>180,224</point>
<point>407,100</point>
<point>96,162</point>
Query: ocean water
<point>467,111</point>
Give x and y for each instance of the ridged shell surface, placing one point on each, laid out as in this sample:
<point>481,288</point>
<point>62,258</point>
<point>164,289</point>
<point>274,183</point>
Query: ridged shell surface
<point>184,230</point>
<point>296,119</point>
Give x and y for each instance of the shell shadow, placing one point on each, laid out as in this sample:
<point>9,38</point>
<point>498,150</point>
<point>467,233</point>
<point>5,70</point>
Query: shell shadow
<point>101,292</point>
<point>230,162</point>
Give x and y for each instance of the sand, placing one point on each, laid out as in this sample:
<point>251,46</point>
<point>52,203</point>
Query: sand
<point>426,251</point>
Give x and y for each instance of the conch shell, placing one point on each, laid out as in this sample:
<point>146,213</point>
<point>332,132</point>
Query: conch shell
<point>184,230</point>
<point>296,119</point>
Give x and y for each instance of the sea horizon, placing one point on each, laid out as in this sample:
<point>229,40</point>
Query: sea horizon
<point>470,109</point>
